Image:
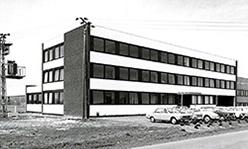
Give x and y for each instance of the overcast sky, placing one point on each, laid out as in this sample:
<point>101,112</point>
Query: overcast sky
<point>216,26</point>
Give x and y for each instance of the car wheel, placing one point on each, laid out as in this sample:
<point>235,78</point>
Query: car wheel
<point>206,119</point>
<point>152,119</point>
<point>173,120</point>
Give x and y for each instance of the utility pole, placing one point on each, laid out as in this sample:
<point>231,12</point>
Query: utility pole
<point>86,61</point>
<point>3,77</point>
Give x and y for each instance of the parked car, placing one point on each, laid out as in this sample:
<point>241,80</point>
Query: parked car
<point>168,114</point>
<point>240,112</point>
<point>205,114</point>
<point>225,114</point>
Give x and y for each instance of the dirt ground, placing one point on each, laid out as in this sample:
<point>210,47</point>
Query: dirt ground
<point>38,131</point>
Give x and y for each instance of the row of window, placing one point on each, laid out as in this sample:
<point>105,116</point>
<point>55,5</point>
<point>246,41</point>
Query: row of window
<point>133,74</point>
<point>34,98</point>
<point>53,75</point>
<point>243,93</point>
<point>53,97</point>
<point>53,53</point>
<point>121,97</point>
<point>242,104</point>
<point>200,100</point>
<point>113,47</point>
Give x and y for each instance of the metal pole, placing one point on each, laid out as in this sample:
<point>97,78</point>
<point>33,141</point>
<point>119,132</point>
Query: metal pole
<point>3,78</point>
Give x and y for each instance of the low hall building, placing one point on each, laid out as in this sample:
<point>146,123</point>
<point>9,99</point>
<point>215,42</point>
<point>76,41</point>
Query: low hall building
<point>98,72</point>
<point>242,91</point>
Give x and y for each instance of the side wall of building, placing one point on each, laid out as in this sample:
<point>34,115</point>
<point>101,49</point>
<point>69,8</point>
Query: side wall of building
<point>74,72</point>
<point>242,91</point>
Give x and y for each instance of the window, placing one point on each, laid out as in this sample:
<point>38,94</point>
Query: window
<point>200,82</point>
<point>56,52</point>
<point>56,75</point>
<point>123,73</point>
<point>98,71</point>
<point>194,100</point>
<point>179,60</point>
<point>30,98</point>
<point>61,75</point>
<point>154,77</point>
<point>211,66</point>
<point>227,84</point>
<point>171,58</point>
<point>232,85</point>
<point>133,98</point>
<point>164,98</point>
<point>134,75</point>
<point>56,98</point>
<point>45,77</point>
<point>61,97</point>
<point>50,76</point>
<point>145,53</point>
<point>186,80</point>
<point>232,71</point>
<point>222,68</point>
<point>109,72</point>
<point>164,57</point>
<point>98,44</point>
<point>206,65</point>
<point>217,83</point>
<point>62,51</point>
<point>40,98</point>
<point>35,99</point>
<point>154,55</point>
<point>45,98</point>
<point>200,64</point>
<point>134,51</point>
<point>109,98</point>
<point>207,100</point>
<point>217,67</point>
<point>211,100</point>
<point>222,83</point>
<point>227,69</point>
<point>123,49</point>
<point>145,76</point>
<point>194,63</point>
<point>50,54</point>
<point>97,97</point>
<point>46,54</point>
<point>110,46</point>
<point>50,98</point>
<point>211,83</point>
<point>206,82</point>
<point>186,61</point>
<point>154,98</point>
<point>145,98</point>
<point>163,78</point>
<point>199,100</point>
<point>194,81</point>
<point>123,98</point>
<point>180,79</point>
<point>171,99</point>
<point>171,78</point>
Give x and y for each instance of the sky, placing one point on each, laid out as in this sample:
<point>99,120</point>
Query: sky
<point>215,26</point>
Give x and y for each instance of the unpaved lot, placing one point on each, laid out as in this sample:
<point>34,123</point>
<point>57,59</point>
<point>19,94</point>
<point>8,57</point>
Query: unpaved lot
<point>36,131</point>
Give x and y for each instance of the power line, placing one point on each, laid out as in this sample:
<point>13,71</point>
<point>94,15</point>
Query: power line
<point>159,41</point>
<point>192,25</point>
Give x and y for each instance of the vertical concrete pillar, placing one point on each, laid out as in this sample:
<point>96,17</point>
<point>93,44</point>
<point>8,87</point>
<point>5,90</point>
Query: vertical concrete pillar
<point>76,77</point>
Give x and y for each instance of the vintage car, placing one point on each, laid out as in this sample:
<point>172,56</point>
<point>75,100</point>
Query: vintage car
<point>225,114</point>
<point>205,114</point>
<point>169,115</point>
<point>239,112</point>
